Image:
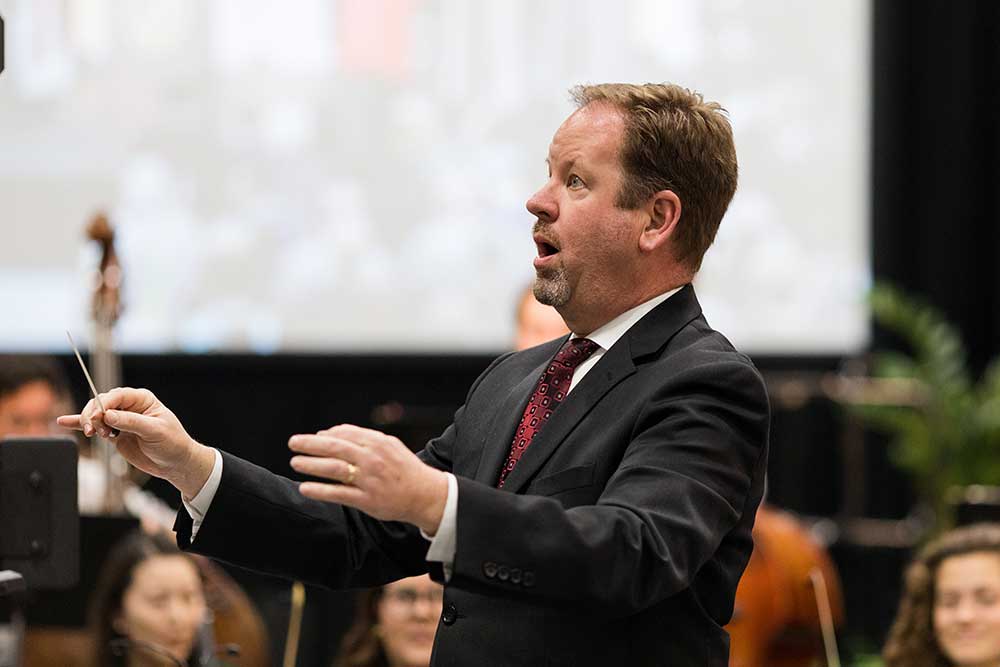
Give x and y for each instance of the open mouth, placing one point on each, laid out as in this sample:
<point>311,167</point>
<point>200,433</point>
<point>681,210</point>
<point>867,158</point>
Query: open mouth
<point>545,249</point>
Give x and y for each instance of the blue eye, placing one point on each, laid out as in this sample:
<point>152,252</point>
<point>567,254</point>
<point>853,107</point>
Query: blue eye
<point>574,181</point>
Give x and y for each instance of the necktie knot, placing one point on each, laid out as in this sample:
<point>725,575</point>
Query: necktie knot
<point>575,351</point>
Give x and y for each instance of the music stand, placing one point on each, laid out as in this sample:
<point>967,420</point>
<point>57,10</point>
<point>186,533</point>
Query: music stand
<point>39,527</point>
<point>68,608</point>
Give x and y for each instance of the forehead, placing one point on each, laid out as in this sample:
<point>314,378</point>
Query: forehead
<point>593,132</point>
<point>969,570</point>
<point>419,582</point>
<point>34,394</point>
<point>163,571</point>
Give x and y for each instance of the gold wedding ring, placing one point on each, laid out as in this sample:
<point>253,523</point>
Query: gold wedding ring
<point>352,472</point>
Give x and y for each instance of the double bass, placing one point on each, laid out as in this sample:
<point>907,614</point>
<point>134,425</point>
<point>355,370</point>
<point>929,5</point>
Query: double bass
<point>236,624</point>
<point>106,308</point>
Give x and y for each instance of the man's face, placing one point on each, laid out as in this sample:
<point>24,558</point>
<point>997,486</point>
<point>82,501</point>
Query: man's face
<point>587,246</point>
<point>30,411</point>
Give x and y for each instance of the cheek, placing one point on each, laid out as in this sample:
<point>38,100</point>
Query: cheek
<point>990,648</point>
<point>393,641</point>
<point>940,619</point>
<point>141,620</point>
<point>389,624</point>
<point>196,614</point>
<point>992,618</point>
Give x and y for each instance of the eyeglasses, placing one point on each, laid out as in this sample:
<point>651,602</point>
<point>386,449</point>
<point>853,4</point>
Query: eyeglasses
<point>410,596</point>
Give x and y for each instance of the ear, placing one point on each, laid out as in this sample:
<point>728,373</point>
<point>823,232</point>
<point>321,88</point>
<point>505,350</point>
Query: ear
<point>664,212</point>
<point>118,625</point>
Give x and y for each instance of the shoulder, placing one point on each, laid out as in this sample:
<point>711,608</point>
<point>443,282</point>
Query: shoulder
<point>697,344</point>
<point>698,360</point>
<point>512,365</point>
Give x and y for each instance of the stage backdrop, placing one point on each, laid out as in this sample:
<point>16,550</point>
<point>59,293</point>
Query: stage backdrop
<point>316,176</point>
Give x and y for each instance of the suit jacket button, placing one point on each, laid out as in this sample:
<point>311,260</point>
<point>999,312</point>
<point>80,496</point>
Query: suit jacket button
<point>503,573</point>
<point>449,614</point>
<point>515,575</point>
<point>528,578</point>
<point>490,569</point>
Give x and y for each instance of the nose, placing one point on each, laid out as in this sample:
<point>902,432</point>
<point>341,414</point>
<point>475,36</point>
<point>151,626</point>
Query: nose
<point>426,608</point>
<point>543,205</point>
<point>965,612</point>
<point>180,613</point>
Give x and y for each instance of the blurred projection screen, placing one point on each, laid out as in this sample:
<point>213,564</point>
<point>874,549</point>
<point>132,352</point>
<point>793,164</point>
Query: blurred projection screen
<point>350,175</point>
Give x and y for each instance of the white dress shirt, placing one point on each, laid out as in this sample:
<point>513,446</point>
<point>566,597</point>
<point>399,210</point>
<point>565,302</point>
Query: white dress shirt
<point>442,543</point>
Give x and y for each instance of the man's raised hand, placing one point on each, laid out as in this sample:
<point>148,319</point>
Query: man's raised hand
<point>378,475</point>
<point>152,438</point>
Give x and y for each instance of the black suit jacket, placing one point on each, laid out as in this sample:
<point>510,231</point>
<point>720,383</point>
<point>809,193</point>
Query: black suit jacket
<point>619,538</point>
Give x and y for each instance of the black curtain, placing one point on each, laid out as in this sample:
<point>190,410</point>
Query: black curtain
<point>935,166</point>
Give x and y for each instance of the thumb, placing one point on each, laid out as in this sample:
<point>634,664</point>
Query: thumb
<point>131,422</point>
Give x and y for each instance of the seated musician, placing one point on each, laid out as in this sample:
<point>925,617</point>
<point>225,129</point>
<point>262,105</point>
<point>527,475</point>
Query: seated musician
<point>949,615</point>
<point>33,392</point>
<point>394,625</point>
<point>536,323</point>
<point>149,607</point>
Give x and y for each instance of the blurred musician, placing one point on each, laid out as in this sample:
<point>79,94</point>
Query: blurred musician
<point>536,323</point>
<point>149,607</point>
<point>33,392</point>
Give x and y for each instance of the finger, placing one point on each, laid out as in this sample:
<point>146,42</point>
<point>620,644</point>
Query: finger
<point>356,434</point>
<point>334,469</point>
<point>98,424</point>
<point>351,496</point>
<point>129,399</point>
<point>145,427</point>
<point>92,417</point>
<point>318,445</point>
<point>120,398</point>
<point>70,421</point>
<point>86,417</point>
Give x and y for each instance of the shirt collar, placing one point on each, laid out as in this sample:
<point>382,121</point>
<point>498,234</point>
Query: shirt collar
<point>608,334</point>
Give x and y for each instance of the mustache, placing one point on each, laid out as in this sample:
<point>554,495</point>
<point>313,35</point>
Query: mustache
<point>540,229</point>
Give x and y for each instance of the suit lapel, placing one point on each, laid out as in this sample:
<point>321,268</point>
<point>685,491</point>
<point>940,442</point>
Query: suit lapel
<point>646,337</point>
<point>496,447</point>
<point>612,368</point>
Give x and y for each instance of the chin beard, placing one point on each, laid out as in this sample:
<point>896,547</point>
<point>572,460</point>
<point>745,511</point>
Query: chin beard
<point>552,289</point>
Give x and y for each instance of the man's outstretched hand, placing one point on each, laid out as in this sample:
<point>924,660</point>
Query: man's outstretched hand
<point>152,439</point>
<point>378,475</point>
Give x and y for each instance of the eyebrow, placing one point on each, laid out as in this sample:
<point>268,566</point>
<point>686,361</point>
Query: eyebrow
<point>974,591</point>
<point>569,166</point>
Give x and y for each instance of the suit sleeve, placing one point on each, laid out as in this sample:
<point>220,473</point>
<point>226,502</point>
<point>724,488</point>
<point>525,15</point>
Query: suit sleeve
<point>259,520</point>
<point>682,485</point>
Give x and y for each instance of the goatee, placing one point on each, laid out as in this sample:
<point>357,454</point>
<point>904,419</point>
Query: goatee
<point>551,288</point>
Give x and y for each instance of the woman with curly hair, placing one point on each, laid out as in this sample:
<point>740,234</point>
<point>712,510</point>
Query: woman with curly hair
<point>949,615</point>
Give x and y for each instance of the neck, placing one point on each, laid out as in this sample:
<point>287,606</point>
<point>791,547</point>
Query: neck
<point>585,319</point>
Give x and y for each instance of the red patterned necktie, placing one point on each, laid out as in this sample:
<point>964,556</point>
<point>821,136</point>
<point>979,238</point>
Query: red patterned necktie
<point>549,393</point>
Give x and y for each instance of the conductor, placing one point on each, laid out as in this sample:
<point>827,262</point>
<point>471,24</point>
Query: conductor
<point>592,501</point>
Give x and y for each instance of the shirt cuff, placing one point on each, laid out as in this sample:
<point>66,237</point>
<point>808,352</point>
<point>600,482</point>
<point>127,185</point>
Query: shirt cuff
<point>198,507</point>
<point>442,549</point>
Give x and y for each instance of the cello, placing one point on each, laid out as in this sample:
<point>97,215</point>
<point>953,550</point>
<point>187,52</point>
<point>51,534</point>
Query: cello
<point>788,601</point>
